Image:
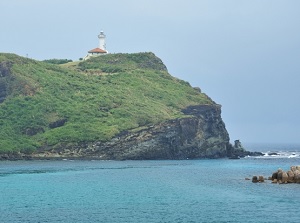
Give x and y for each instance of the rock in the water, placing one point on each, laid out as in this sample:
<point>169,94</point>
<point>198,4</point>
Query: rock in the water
<point>296,176</point>
<point>290,176</point>
<point>261,179</point>
<point>274,176</point>
<point>284,177</point>
<point>254,179</point>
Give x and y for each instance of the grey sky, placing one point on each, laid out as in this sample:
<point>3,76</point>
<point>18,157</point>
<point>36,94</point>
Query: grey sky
<point>244,54</point>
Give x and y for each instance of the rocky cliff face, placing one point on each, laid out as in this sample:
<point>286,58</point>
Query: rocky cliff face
<point>202,134</point>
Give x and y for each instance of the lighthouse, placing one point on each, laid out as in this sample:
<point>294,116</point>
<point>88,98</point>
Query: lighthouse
<point>101,50</point>
<point>101,37</point>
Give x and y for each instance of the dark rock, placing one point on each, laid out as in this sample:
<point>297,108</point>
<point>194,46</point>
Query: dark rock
<point>273,154</point>
<point>13,156</point>
<point>254,179</point>
<point>275,175</point>
<point>197,89</point>
<point>247,153</point>
<point>4,157</point>
<point>57,123</point>
<point>238,145</point>
<point>239,151</point>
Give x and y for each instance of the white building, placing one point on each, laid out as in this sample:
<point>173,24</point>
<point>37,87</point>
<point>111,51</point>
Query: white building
<point>101,50</point>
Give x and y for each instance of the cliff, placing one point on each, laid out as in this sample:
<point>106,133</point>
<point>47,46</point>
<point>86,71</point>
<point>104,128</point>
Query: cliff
<point>117,106</point>
<point>203,135</point>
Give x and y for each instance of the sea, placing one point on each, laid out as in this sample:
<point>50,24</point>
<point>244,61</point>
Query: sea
<point>205,190</point>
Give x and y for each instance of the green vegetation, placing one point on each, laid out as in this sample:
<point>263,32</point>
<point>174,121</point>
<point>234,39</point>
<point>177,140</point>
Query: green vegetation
<point>48,105</point>
<point>57,61</point>
<point>115,63</point>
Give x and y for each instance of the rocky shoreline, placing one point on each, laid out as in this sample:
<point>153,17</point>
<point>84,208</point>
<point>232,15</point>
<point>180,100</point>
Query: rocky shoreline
<point>15,156</point>
<point>57,156</point>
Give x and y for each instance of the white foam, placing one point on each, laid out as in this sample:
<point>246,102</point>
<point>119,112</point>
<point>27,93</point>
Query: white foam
<point>280,154</point>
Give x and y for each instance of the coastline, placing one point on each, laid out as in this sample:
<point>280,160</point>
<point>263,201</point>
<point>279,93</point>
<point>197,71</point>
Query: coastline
<point>271,151</point>
<point>42,156</point>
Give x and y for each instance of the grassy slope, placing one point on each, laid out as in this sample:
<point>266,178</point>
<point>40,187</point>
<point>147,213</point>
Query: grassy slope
<point>99,98</point>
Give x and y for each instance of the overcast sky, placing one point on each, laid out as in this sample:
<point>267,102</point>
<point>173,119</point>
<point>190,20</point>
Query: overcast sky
<point>245,54</point>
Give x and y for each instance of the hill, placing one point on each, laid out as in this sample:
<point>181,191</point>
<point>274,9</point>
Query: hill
<point>53,108</point>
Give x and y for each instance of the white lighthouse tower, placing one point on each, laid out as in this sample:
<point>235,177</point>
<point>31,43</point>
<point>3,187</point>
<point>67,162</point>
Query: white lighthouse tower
<point>102,44</point>
<point>101,50</point>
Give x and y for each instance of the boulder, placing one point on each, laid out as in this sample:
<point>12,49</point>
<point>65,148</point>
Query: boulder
<point>274,176</point>
<point>290,176</point>
<point>261,179</point>
<point>297,178</point>
<point>58,123</point>
<point>279,175</point>
<point>254,179</point>
<point>284,177</point>
<point>293,168</point>
<point>296,172</point>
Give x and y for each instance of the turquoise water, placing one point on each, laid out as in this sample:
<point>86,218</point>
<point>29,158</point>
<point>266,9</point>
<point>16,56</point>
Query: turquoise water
<point>146,191</point>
